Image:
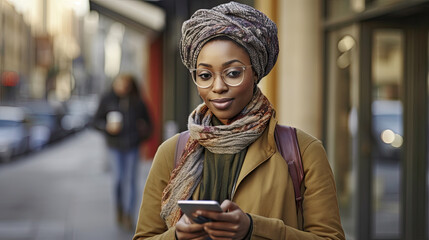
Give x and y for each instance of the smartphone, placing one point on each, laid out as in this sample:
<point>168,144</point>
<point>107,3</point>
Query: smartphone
<point>189,207</point>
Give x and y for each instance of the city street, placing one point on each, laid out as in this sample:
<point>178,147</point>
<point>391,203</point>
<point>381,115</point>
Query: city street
<point>62,192</point>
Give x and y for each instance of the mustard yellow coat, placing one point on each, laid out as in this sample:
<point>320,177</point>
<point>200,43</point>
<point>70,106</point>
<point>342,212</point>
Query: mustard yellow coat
<point>264,190</point>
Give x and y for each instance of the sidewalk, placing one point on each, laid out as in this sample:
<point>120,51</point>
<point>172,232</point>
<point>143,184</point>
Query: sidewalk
<point>63,192</point>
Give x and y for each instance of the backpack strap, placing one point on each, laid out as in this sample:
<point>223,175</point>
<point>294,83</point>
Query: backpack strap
<point>287,144</point>
<point>180,146</point>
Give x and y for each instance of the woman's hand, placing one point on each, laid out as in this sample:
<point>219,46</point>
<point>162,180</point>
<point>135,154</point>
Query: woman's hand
<point>185,229</point>
<point>233,223</point>
<point>113,128</point>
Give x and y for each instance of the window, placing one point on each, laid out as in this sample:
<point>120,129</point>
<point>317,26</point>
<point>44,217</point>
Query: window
<point>387,131</point>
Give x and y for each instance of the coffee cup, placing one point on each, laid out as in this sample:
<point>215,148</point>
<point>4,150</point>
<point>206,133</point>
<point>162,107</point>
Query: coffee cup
<point>114,122</point>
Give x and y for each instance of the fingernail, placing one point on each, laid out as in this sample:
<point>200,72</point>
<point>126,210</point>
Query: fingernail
<point>198,212</point>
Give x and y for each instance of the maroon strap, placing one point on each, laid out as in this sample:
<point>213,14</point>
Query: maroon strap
<point>287,144</point>
<point>180,146</point>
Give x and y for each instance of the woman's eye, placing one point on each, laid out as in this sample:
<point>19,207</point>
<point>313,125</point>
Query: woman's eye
<point>204,76</point>
<point>234,73</point>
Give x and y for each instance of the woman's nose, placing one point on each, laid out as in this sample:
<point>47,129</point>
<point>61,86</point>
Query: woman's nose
<point>219,85</point>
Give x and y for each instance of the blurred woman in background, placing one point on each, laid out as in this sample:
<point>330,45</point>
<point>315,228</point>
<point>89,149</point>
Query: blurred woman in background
<point>124,119</point>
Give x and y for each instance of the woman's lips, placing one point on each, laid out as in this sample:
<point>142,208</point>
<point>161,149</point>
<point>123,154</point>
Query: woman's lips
<point>222,103</point>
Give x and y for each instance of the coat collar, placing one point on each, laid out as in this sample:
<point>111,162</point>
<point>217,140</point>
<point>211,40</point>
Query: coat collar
<point>259,151</point>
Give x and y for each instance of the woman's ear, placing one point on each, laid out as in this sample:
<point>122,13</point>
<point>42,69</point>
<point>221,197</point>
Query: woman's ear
<point>255,79</point>
<point>255,84</point>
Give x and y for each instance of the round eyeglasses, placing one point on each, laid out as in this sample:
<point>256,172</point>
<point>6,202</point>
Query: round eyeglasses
<point>232,76</point>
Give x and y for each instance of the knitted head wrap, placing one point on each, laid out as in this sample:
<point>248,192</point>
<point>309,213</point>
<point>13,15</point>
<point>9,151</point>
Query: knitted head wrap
<point>243,24</point>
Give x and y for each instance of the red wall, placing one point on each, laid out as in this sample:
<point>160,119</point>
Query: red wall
<point>154,98</point>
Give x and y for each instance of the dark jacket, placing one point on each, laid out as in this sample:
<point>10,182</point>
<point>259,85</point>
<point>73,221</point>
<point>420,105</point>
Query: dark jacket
<point>136,123</point>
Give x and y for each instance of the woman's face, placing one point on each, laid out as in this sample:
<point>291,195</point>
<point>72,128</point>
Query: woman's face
<point>122,86</point>
<point>224,101</point>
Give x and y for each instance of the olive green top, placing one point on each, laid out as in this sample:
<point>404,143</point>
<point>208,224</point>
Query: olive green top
<point>220,173</point>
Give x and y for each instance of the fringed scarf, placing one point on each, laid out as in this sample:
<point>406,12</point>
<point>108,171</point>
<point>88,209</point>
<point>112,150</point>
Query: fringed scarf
<point>224,139</point>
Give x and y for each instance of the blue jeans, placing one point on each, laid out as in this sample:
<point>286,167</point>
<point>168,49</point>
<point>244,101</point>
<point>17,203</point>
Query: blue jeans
<point>124,168</point>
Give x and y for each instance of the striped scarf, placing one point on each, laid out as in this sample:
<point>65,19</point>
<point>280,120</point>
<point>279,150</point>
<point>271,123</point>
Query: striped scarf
<point>243,130</point>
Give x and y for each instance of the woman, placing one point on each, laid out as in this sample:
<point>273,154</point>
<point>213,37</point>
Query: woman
<point>124,119</point>
<point>231,154</point>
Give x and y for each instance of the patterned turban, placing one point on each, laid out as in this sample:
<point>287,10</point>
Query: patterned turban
<point>245,25</point>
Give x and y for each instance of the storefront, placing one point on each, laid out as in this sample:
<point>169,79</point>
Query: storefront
<point>376,115</point>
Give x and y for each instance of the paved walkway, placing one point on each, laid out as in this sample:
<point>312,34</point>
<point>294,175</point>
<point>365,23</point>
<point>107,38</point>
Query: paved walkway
<point>62,192</point>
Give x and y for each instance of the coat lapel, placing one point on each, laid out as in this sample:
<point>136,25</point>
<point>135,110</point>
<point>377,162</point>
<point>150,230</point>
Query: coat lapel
<point>259,151</point>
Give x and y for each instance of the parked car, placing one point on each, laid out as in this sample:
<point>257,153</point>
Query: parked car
<point>45,120</point>
<point>77,114</point>
<point>40,136</point>
<point>14,133</point>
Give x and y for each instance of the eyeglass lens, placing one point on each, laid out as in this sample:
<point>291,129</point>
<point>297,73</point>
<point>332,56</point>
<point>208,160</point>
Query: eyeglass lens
<point>232,76</point>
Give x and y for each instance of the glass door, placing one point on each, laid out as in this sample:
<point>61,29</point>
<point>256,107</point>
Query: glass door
<point>377,118</point>
<point>387,77</point>
<point>397,120</point>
